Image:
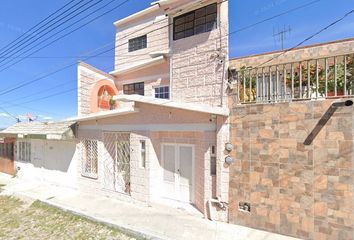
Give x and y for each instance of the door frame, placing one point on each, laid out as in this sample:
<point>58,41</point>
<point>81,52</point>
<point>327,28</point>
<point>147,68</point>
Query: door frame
<point>177,145</point>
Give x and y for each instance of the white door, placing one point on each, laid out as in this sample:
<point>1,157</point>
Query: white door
<point>178,167</point>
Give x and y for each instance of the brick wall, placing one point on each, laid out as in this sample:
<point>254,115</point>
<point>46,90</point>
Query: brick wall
<point>294,189</point>
<point>196,73</point>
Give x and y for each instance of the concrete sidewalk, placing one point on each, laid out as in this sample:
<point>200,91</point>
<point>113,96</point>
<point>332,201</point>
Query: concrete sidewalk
<point>148,222</point>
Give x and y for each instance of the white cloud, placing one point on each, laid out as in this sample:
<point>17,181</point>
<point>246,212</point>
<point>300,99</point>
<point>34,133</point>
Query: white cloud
<point>4,115</point>
<point>47,118</point>
<point>43,117</point>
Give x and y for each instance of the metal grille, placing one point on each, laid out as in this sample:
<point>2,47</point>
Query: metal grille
<point>309,79</point>
<point>116,162</point>
<point>24,153</point>
<point>89,157</point>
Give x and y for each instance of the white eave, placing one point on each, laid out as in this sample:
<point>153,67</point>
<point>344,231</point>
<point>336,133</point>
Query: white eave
<point>164,2</point>
<point>168,103</point>
<point>137,15</point>
<point>140,65</point>
<point>63,130</point>
<point>106,114</point>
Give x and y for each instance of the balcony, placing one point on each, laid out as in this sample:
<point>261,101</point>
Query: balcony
<point>311,79</point>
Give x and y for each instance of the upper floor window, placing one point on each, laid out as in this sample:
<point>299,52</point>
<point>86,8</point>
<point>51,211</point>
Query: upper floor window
<point>198,21</point>
<point>134,88</point>
<point>162,92</point>
<point>137,43</point>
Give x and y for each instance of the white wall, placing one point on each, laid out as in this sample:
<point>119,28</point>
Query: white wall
<point>51,161</point>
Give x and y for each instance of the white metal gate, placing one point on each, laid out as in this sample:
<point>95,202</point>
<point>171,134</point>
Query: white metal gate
<point>116,161</point>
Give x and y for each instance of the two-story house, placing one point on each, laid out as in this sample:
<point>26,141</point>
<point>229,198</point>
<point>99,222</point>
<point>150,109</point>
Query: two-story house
<point>155,128</point>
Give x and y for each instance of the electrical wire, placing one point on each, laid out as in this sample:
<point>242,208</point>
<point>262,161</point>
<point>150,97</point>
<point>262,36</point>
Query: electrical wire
<point>37,34</point>
<point>4,67</point>
<point>308,38</point>
<point>167,26</point>
<point>31,30</point>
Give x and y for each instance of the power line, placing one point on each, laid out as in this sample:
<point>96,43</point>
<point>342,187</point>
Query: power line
<point>9,114</point>
<point>32,28</point>
<point>57,94</point>
<point>275,16</point>
<point>257,23</point>
<point>58,57</point>
<point>71,11</point>
<point>167,26</point>
<point>51,30</point>
<point>309,38</point>
<point>74,64</point>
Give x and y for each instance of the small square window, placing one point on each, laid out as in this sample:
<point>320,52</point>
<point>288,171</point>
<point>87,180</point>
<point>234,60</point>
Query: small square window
<point>137,43</point>
<point>162,92</point>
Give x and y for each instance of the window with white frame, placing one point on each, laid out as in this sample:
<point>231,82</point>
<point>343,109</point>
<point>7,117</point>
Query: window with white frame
<point>89,157</point>
<point>24,151</point>
<point>143,153</point>
<point>162,92</point>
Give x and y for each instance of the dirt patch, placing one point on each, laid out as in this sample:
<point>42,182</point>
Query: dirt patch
<point>39,221</point>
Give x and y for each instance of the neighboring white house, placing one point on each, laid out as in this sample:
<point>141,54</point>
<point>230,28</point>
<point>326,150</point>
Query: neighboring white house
<point>45,151</point>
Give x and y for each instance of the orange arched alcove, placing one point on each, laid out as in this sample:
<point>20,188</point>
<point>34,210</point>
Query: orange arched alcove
<point>98,90</point>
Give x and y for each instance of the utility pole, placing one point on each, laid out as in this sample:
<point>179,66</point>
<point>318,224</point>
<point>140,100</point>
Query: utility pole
<point>281,35</point>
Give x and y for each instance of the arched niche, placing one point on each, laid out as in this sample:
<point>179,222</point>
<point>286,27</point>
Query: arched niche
<point>101,96</point>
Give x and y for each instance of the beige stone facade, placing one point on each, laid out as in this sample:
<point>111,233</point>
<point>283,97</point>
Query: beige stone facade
<point>194,70</point>
<point>199,64</point>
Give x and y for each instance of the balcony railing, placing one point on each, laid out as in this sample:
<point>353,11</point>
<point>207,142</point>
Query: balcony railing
<point>306,80</point>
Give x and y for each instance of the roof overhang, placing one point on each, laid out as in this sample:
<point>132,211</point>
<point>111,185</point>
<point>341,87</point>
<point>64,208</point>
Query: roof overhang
<point>137,15</point>
<point>177,7</point>
<point>127,108</point>
<point>64,131</point>
<point>140,65</point>
<point>168,103</point>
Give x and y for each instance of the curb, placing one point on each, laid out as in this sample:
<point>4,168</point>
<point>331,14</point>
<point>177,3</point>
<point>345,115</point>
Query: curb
<point>125,230</point>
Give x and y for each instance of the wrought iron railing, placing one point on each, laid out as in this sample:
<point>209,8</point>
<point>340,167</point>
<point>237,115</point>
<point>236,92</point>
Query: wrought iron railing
<point>306,80</point>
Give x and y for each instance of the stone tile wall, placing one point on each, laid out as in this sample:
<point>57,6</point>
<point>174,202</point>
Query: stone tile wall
<point>294,189</point>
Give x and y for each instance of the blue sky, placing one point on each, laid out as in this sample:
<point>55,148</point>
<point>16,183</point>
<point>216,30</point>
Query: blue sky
<point>16,16</point>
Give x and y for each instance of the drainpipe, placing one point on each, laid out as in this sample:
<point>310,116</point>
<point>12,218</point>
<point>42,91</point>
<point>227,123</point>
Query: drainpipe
<point>222,205</point>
